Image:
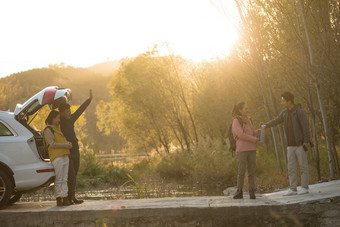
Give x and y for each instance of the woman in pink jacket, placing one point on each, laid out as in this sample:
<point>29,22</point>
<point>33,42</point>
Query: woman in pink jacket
<point>246,138</point>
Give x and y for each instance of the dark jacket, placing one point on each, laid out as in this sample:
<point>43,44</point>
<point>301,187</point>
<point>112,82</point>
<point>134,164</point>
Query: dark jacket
<point>300,124</point>
<point>67,125</point>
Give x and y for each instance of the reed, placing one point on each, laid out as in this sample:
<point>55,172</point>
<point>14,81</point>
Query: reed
<point>141,191</point>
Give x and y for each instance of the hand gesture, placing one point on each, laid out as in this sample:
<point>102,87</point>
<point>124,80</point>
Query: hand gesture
<point>306,145</point>
<point>69,145</point>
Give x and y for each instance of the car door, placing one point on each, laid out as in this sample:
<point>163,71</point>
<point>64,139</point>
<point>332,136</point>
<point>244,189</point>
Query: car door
<point>51,96</point>
<point>18,153</point>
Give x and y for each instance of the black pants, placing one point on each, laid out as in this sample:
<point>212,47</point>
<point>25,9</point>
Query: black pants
<point>73,171</point>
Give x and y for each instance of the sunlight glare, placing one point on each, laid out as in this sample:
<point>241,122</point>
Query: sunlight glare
<point>82,33</point>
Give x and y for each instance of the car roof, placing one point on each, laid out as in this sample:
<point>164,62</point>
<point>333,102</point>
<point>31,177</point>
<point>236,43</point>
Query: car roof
<point>6,113</point>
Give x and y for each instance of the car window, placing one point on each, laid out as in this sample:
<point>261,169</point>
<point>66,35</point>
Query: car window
<point>35,105</point>
<point>38,123</point>
<point>4,131</point>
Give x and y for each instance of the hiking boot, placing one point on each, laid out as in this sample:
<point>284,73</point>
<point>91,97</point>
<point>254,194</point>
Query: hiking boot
<point>59,202</point>
<point>252,194</point>
<point>290,192</point>
<point>66,202</point>
<point>75,200</point>
<point>70,199</point>
<point>239,194</point>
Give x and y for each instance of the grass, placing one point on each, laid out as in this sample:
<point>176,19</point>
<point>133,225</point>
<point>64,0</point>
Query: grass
<point>211,168</point>
<point>97,173</point>
<point>141,191</point>
<point>206,172</point>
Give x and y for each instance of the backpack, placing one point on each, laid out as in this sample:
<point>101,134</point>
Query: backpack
<point>45,154</point>
<point>232,141</point>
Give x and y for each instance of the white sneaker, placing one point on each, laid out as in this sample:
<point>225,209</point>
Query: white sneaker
<point>303,191</point>
<point>290,192</point>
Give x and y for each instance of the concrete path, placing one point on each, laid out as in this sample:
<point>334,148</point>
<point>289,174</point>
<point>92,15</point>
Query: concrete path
<point>317,192</point>
<point>185,209</point>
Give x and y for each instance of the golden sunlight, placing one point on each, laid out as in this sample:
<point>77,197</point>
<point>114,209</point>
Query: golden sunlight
<point>82,32</point>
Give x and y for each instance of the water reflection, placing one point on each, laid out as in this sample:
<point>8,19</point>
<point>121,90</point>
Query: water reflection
<point>127,192</point>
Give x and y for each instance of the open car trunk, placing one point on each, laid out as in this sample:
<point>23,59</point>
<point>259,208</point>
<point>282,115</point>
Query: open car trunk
<point>51,96</point>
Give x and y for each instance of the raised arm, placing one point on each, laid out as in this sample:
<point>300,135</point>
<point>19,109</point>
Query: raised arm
<point>82,108</point>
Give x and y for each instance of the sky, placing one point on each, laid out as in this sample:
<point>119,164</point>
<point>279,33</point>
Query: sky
<point>81,33</point>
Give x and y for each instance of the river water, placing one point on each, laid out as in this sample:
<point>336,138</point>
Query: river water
<point>127,192</point>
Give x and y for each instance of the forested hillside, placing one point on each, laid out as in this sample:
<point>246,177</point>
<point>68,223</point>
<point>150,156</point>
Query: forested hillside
<point>18,87</point>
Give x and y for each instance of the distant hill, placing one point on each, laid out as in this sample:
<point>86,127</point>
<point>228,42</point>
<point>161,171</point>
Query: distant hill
<point>18,87</point>
<point>105,68</point>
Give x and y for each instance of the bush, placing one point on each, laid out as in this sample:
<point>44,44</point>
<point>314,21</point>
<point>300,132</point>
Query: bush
<point>216,168</point>
<point>210,166</point>
<point>93,172</point>
<point>90,166</point>
<point>115,176</point>
<point>175,166</point>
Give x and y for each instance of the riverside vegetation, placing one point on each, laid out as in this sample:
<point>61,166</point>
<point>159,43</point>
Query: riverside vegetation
<point>208,171</point>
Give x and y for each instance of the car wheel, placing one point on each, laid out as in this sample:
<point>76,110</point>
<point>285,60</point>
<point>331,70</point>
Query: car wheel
<point>15,198</point>
<point>6,188</point>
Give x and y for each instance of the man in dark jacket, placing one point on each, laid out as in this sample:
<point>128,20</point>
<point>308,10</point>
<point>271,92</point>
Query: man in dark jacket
<point>298,140</point>
<point>67,121</point>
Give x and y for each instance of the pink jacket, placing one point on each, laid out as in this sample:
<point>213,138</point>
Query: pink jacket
<point>245,136</point>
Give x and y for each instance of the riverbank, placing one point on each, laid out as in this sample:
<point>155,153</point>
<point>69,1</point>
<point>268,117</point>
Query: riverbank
<point>129,191</point>
<point>206,172</point>
<point>320,207</point>
<point>175,175</point>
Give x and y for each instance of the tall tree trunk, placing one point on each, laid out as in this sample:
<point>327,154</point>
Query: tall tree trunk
<point>257,63</point>
<point>178,138</point>
<point>336,158</point>
<point>191,119</point>
<point>317,87</point>
<point>283,147</point>
<point>315,138</point>
<point>311,106</point>
<point>183,98</point>
<point>266,106</point>
<point>184,134</point>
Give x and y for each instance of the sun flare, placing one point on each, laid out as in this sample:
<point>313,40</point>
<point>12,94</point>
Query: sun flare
<point>83,33</point>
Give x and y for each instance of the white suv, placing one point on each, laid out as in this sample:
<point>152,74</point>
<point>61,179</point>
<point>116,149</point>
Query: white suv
<point>22,165</point>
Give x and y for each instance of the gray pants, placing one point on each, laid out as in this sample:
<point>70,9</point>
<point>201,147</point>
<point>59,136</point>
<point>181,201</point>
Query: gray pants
<point>61,165</point>
<point>297,155</point>
<point>246,160</point>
